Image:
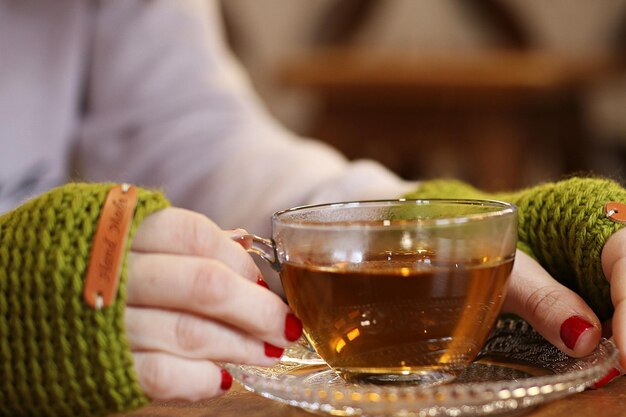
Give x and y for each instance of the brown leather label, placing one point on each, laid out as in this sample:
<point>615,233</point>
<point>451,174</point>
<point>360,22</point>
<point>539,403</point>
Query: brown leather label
<point>109,243</point>
<point>615,211</point>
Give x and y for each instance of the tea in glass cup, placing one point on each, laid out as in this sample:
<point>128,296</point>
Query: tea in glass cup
<point>395,290</point>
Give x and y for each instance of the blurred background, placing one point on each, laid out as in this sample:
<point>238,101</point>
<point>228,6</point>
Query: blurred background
<point>499,93</point>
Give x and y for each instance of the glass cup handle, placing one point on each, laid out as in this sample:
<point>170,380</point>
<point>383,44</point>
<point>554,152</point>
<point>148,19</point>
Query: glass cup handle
<point>264,248</point>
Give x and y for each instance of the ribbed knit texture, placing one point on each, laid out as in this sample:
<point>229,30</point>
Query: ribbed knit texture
<point>562,225</point>
<point>59,357</point>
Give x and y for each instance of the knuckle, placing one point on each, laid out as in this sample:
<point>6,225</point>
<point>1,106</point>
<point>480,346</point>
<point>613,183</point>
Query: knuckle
<point>619,268</point>
<point>188,333</point>
<point>196,234</point>
<point>542,301</point>
<point>268,312</point>
<point>209,286</point>
<point>237,257</point>
<point>618,282</point>
<point>244,350</point>
<point>247,352</point>
<point>612,252</point>
<point>154,377</point>
<point>249,268</point>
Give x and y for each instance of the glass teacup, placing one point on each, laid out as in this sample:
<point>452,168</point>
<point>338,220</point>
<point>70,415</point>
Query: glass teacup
<point>395,290</point>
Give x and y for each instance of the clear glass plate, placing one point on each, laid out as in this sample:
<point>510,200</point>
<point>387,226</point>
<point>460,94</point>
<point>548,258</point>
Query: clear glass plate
<point>516,369</point>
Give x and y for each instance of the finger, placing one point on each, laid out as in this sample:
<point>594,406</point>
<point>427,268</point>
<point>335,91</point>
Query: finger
<point>556,312</point>
<point>608,377</point>
<point>618,297</point>
<point>614,267</point>
<point>209,288</point>
<point>190,336</point>
<point>240,236</point>
<point>167,377</point>
<point>613,373</point>
<point>184,232</point>
<point>614,249</point>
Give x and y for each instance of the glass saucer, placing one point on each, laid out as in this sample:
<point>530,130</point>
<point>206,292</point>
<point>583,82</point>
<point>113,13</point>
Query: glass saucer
<point>516,369</point>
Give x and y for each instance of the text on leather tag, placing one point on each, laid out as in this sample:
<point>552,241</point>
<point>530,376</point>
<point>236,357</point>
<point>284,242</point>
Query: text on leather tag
<point>108,246</point>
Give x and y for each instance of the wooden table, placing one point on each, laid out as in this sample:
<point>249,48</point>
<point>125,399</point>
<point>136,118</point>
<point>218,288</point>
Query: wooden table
<point>607,402</point>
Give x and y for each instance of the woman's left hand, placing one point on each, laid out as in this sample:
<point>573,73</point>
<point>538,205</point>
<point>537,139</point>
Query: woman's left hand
<point>561,315</point>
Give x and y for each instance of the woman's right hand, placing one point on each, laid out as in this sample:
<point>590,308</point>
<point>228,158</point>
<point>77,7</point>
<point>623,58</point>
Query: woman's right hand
<point>193,301</point>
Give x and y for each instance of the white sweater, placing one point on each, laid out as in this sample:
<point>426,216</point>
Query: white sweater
<point>145,91</point>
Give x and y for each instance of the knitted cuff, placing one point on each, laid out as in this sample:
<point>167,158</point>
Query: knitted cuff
<point>562,225</point>
<point>58,356</point>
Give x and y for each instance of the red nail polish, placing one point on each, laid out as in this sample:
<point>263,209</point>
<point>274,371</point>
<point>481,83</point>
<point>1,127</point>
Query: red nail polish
<point>610,376</point>
<point>572,329</point>
<point>273,351</point>
<point>260,281</point>
<point>293,328</point>
<point>227,380</point>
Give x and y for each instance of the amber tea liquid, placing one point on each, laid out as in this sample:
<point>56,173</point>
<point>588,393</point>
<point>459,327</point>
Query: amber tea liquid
<point>398,313</point>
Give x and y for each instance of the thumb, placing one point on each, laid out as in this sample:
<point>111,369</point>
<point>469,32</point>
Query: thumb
<point>556,312</point>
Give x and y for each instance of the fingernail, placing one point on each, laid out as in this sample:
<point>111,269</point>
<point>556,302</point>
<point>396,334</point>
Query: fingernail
<point>227,380</point>
<point>273,351</point>
<point>610,376</point>
<point>260,281</point>
<point>293,328</point>
<point>572,329</point>
<point>241,236</point>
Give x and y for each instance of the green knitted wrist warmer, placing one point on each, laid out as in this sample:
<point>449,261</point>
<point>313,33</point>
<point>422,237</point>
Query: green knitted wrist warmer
<point>562,225</point>
<point>58,356</point>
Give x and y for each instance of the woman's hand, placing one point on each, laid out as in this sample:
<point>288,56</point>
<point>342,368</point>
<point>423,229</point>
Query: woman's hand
<point>555,311</point>
<point>564,225</point>
<point>560,315</point>
<point>193,301</point>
